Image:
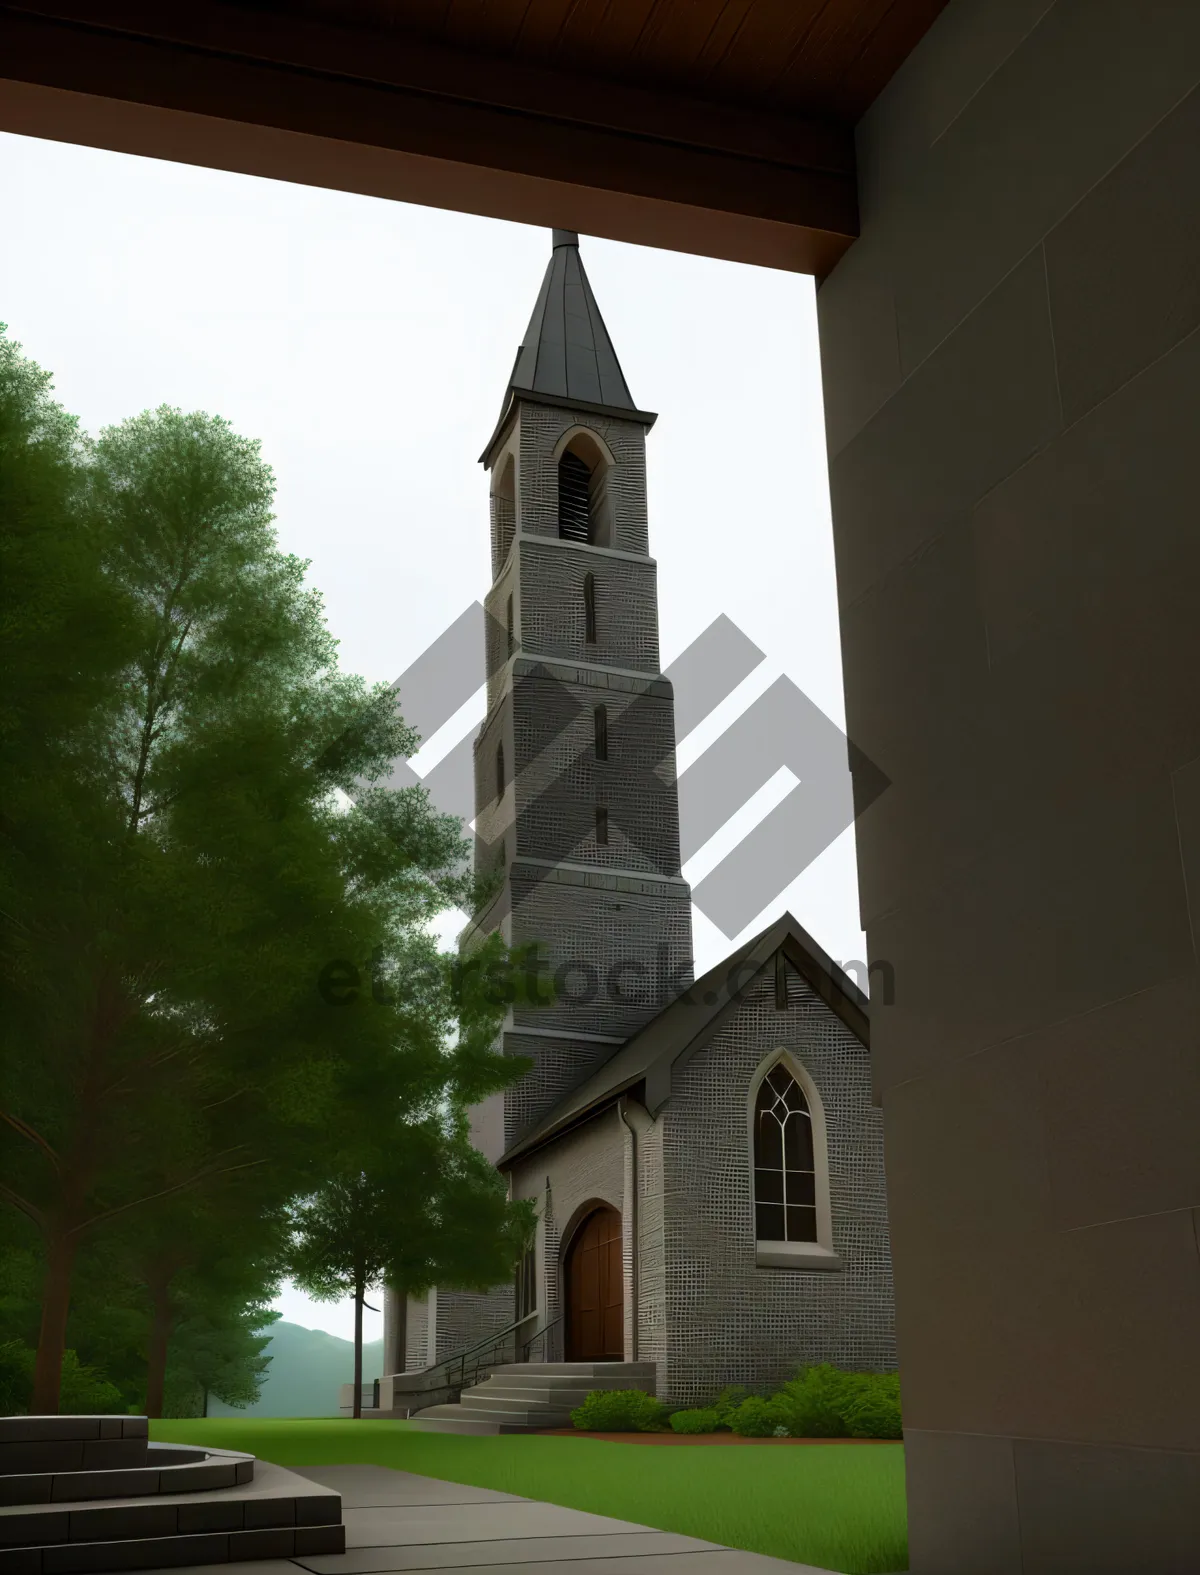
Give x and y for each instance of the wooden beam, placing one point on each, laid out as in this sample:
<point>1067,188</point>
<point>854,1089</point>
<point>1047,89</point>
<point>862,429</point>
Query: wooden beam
<point>269,94</point>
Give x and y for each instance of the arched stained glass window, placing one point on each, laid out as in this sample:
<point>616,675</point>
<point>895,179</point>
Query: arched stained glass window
<point>785,1197</point>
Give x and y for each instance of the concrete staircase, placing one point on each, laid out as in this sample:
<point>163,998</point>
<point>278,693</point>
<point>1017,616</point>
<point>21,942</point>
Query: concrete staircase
<point>528,1397</point>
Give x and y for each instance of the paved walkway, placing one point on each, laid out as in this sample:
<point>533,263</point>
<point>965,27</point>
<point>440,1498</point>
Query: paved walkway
<point>398,1521</point>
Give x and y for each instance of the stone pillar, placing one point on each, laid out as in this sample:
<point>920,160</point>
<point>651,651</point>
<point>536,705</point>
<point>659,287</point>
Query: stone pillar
<point>1011,358</point>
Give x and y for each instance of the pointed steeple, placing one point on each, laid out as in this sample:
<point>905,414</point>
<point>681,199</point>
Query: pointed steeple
<point>566,356</point>
<point>566,350</point>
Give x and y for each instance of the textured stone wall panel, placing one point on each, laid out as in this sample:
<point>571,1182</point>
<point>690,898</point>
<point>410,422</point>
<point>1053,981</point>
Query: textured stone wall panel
<point>540,428</point>
<point>729,1321</point>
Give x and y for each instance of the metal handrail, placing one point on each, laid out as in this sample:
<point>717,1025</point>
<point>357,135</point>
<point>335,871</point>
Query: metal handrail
<point>464,1367</point>
<point>539,1334</point>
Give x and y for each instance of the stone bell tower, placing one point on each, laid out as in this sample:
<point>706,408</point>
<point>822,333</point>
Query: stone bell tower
<point>575,790</point>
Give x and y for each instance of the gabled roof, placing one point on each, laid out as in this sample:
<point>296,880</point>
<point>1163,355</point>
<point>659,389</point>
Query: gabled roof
<point>566,356</point>
<point>690,1021</point>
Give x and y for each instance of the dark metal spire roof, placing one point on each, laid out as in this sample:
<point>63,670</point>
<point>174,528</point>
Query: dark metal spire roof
<point>567,356</point>
<point>566,350</point>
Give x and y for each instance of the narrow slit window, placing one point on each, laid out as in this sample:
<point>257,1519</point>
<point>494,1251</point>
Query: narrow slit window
<point>589,608</point>
<point>601,717</point>
<point>781,983</point>
<point>785,1182</point>
<point>509,626</point>
<point>601,825</point>
<point>499,771</point>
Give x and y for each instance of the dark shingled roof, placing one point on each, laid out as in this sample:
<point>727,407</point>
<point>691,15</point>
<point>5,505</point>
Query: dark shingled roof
<point>689,1022</point>
<point>567,356</point>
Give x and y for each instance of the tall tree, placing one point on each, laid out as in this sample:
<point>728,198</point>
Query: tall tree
<point>421,1207</point>
<point>167,928</point>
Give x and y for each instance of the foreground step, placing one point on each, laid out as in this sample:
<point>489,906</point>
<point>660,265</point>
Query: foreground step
<point>183,1506</point>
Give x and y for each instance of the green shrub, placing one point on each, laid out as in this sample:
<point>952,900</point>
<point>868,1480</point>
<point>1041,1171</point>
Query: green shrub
<point>728,1401</point>
<point>16,1378</point>
<point>873,1409</point>
<point>84,1392</point>
<point>815,1401</point>
<point>619,1411</point>
<point>702,1420</point>
<point>759,1418</point>
<point>824,1402</point>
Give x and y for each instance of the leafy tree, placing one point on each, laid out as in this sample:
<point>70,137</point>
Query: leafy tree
<point>421,1207</point>
<point>218,1350</point>
<point>168,919</point>
<point>201,1267</point>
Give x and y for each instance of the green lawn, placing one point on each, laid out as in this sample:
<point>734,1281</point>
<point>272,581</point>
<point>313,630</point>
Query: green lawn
<point>840,1507</point>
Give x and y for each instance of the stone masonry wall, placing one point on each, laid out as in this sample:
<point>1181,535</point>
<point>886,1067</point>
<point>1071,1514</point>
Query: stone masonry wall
<point>584,1166</point>
<point>730,1321</point>
<point>539,429</point>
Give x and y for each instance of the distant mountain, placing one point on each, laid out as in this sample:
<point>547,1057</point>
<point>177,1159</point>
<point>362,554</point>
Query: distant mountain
<point>307,1368</point>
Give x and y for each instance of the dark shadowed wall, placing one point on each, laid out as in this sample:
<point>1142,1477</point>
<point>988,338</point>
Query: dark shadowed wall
<point>1012,370</point>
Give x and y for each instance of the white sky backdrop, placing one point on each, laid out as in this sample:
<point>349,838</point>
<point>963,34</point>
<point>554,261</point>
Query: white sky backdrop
<point>368,344</point>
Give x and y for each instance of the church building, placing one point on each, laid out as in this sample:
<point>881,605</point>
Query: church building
<point>704,1155</point>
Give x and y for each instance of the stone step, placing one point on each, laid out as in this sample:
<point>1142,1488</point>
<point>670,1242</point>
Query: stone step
<point>147,1553</point>
<point>573,1384</point>
<point>170,1468</point>
<point>277,1515</point>
<point>526,1416</point>
<point>576,1370</point>
<point>477,1429</point>
<point>505,1405</point>
<point>557,1396</point>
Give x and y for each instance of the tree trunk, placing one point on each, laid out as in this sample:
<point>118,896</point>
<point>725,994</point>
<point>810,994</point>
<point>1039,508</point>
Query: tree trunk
<point>52,1337</point>
<point>395,1330</point>
<point>156,1355</point>
<point>360,1290</point>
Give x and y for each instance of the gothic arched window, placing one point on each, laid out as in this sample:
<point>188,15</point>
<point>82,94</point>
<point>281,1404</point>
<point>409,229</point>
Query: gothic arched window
<point>589,608</point>
<point>574,498</point>
<point>785,1178</point>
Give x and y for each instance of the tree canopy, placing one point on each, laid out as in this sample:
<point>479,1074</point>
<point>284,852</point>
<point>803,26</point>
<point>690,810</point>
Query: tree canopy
<point>197,830</point>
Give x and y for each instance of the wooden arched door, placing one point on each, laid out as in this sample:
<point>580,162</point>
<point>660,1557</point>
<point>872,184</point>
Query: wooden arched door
<point>595,1285</point>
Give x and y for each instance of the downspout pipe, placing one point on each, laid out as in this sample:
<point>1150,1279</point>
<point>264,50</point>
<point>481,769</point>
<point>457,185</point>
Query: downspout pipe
<point>633,1227</point>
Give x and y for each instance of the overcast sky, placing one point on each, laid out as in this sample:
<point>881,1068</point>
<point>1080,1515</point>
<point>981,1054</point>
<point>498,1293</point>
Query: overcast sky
<point>368,345</point>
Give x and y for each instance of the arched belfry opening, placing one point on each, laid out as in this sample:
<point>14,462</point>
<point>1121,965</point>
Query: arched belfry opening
<point>584,504</point>
<point>574,498</point>
<point>504,513</point>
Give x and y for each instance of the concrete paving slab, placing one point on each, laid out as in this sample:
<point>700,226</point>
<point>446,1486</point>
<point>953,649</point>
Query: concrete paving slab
<point>234,1567</point>
<point>514,1550</point>
<point>379,1487</point>
<point>718,1561</point>
<point>404,1522</point>
<point>402,1526</point>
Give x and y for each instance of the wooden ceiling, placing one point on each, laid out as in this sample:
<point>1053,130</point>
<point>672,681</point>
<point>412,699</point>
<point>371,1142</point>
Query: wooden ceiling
<point>813,57</point>
<point>716,126</point>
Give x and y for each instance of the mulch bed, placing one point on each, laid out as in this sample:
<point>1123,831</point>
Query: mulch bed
<point>697,1438</point>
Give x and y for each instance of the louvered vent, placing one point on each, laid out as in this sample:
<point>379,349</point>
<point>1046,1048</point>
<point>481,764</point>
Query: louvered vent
<point>574,510</point>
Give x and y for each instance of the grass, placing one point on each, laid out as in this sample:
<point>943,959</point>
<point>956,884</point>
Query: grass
<point>838,1507</point>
